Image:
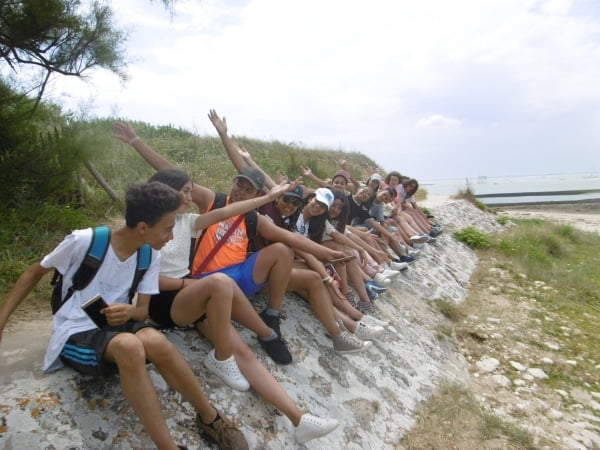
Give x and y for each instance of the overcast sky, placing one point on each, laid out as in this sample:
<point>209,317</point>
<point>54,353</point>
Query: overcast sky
<point>432,88</point>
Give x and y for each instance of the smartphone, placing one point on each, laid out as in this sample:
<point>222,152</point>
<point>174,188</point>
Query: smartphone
<point>342,260</point>
<point>332,272</point>
<point>92,308</point>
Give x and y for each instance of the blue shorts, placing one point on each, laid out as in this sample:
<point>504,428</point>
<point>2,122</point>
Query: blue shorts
<point>242,274</point>
<point>84,351</point>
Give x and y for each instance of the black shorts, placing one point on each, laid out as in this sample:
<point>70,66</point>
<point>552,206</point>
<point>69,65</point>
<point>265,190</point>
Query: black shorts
<point>84,351</point>
<point>159,308</point>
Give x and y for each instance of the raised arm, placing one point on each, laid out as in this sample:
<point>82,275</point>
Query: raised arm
<point>245,154</point>
<point>306,172</point>
<point>124,132</point>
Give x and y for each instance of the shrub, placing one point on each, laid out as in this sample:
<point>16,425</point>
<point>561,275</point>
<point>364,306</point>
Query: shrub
<point>473,238</point>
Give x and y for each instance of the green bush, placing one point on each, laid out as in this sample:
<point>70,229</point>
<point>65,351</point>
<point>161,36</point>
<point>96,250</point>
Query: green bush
<point>473,238</point>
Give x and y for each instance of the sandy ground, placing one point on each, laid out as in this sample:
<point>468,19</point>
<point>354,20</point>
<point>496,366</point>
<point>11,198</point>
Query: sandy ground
<point>585,216</point>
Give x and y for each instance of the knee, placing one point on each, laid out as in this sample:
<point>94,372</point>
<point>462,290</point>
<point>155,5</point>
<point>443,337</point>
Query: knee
<point>156,346</point>
<point>127,349</point>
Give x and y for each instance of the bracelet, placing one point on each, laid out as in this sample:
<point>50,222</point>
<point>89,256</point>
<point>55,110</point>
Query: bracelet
<point>327,280</point>
<point>182,283</point>
<point>133,140</point>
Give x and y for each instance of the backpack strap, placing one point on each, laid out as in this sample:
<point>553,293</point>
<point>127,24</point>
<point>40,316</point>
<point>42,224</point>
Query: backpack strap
<point>86,271</point>
<point>218,202</point>
<point>144,258</point>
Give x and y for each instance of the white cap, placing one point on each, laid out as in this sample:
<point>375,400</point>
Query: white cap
<point>324,196</point>
<point>376,177</point>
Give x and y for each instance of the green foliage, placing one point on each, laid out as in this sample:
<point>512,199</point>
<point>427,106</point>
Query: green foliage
<point>68,37</point>
<point>503,220</point>
<point>449,309</point>
<point>473,238</point>
<point>469,195</point>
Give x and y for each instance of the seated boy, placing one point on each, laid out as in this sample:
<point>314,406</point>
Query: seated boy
<point>126,343</point>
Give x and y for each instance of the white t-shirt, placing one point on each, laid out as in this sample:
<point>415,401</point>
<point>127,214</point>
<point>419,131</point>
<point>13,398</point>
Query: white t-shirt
<point>328,231</point>
<point>112,280</point>
<point>175,257</point>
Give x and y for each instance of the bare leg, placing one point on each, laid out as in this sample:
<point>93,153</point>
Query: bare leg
<point>258,376</point>
<point>244,313</point>
<point>211,295</point>
<point>127,351</point>
<point>308,284</point>
<point>274,264</point>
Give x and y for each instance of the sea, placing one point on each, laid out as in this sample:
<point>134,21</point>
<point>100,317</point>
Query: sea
<point>510,190</point>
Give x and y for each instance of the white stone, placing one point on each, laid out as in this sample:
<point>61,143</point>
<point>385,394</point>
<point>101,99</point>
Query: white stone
<point>548,361</point>
<point>555,414</point>
<point>571,362</point>
<point>519,382</point>
<point>518,366</point>
<point>537,373</point>
<point>501,380</point>
<point>552,345</point>
<point>493,320</point>
<point>562,393</point>
<point>487,364</point>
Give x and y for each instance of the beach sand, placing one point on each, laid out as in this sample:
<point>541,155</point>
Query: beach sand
<point>584,216</point>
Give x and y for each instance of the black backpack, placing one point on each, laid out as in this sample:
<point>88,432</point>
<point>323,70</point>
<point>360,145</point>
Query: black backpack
<point>251,220</point>
<point>90,265</point>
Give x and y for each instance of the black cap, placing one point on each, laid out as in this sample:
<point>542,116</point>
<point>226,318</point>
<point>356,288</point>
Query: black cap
<point>254,176</point>
<point>296,192</point>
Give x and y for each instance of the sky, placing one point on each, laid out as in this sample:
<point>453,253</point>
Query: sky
<point>433,89</point>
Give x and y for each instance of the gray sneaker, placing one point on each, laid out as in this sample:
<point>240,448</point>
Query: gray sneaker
<point>366,307</point>
<point>352,298</point>
<point>347,343</point>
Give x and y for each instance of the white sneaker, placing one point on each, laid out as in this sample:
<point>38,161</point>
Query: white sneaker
<point>414,252</point>
<point>370,320</point>
<point>312,427</point>
<point>368,332</point>
<point>227,370</point>
<point>418,239</point>
<point>398,265</point>
<point>387,273</point>
<point>381,280</point>
<point>418,246</point>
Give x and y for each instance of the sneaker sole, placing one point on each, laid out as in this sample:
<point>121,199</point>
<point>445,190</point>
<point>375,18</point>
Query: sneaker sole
<point>356,350</point>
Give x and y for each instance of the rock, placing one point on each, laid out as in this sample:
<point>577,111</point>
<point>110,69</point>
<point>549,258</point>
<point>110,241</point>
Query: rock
<point>518,366</point>
<point>487,364</point>
<point>537,373</point>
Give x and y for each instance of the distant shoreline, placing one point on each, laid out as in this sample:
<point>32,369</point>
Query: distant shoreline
<point>572,207</point>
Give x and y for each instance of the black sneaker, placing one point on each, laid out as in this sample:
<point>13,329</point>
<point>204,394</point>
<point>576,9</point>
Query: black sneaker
<point>271,321</point>
<point>407,259</point>
<point>277,350</point>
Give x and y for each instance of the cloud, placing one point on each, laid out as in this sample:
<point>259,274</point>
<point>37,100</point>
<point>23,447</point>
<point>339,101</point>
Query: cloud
<point>431,77</point>
<point>438,120</point>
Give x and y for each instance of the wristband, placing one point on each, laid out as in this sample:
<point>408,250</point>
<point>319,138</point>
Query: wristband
<point>327,280</point>
<point>133,140</point>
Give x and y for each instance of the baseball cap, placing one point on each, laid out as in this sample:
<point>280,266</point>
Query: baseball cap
<point>254,176</point>
<point>324,196</point>
<point>342,173</point>
<point>376,177</point>
<point>296,192</point>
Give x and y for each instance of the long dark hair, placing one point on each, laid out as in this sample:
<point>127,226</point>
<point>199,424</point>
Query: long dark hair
<point>316,224</point>
<point>340,221</point>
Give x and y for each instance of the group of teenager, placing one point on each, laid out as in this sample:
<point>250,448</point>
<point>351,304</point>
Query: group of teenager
<point>337,246</point>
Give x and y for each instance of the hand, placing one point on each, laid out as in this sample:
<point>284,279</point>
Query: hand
<point>342,162</point>
<point>334,254</point>
<point>306,171</point>
<point>117,313</point>
<point>219,124</point>
<point>285,186</point>
<point>244,153</point>
<point>282,177</point>
<point>123,132</point>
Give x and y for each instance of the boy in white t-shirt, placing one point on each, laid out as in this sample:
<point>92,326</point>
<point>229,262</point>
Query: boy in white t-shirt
<point>126,343</point>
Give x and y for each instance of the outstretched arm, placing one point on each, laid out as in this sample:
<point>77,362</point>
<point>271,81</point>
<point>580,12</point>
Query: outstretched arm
<point>248,158</point>
<point>124,132</point>
<point>315,179</point>
<point>273,233</point>
<point>26,282</point>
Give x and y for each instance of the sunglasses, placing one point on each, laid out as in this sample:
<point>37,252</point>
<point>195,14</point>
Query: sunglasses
<point>293,200</point>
